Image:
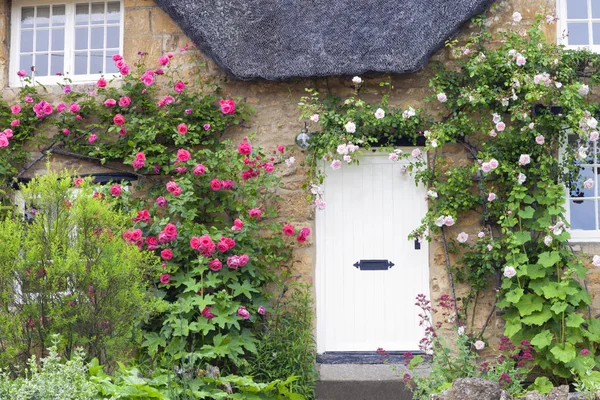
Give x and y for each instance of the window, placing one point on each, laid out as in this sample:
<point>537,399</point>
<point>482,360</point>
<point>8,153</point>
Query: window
<point>583,203</point>
<point>76,39</point>
<point>579,20</point>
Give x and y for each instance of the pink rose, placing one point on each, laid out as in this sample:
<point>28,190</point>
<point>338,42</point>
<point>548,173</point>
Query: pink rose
<point>261,310</point>
<point>147,78</point>
<point>66,131</point>
<point>74,108</point>
<point>215,265</point>
<point>165,278</point>
<point>242,312</point>
<point>78,182</point>
<point>281,149</point>
<point>101,83</point>
<point>117,57</point>
<point>207,313</point>
<point>243,259</point>
<point>195,242</point>
<point>303,235</point>
<point>491,196</point>
<point>161,201</point>
<point>15,109</point>
<point>124,101</point>
<point>245,147</point>
<point>227,106</point>
<point>233,262</point>
<point>288,230</point>
<point>22,73</point>
<point>172,187</point>
<point>110,103</point>
<point>179,87</point>
<point>182,129</point>
<point>119,119</point>
<point>9,133</point>
<point>222,247</point>
<point>254,213</point>
<point>92,138</point>
<point>206,127</point>
<point>15,122</point>
<point>166,254</point>
<point>124,70</point>
<point>115,190</point>
<point>61,107</point>
<point>183,155</point>
<point>3,140</point>
<point>199,169</point>
<point>227,184</point>
<point>163,60</point>
<point>215,184</point>
<point>237,225</point>
<point>269,167</point>
<point>152,243</point>
<point>170,232</point>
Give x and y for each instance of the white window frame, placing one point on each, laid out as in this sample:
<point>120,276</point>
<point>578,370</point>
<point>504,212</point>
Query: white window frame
<point>581,235</point>
<point>69,48</point>
<point>561,27</point>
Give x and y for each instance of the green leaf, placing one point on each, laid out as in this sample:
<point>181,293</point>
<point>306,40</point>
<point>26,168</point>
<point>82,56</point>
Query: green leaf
<point>564,353</point>
<point>559,307</point>
<point>521,237</point>
<point>549,258</point>
<point>574,320</point>
<point>542,339</point>
<point>527,212</point>
<point>529,303</point>
<point>538,318</point>
<point>514,295</point>
<point>512,327</point>
<point>542,385</point>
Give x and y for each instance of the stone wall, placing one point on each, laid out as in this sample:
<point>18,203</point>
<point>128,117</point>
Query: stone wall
<point>150,30</point>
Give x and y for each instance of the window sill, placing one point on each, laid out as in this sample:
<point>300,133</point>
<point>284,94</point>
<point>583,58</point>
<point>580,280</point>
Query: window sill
<point>56,80</point>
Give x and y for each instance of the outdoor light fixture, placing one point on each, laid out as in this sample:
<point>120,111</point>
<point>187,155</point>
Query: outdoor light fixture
<point>303,139</point>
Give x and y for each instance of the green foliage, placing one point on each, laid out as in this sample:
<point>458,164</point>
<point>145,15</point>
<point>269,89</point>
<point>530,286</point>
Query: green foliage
<point>286,345</point>
<point>68,271</point>
<point>53,379</point>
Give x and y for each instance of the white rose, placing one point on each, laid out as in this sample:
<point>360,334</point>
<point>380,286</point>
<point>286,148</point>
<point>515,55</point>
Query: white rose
<point>548,240</point>
<point>290,161</point>
<point>314,118</point>
<point>379,113</point>
<point>521,178</point>
<point>393,157</point>
<point>442,98</point>
<point>524,159</point>
<point>584,90</point>
<point>517,17</point>
<point>348,158</point>
<point>462,237</point>
<point>596,261</point>
<point>336,164</point>
<point>356,80</point>
<point>510,272</point>
<point>342,149</point>
<point>588,184</point>
<point>350,127</point>
<point>479,345</point>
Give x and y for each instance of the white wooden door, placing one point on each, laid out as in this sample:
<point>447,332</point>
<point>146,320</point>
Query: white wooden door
<point>371,209</point>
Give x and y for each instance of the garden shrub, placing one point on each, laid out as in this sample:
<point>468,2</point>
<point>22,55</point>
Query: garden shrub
<point>65,269</point>
<point>286,346</point>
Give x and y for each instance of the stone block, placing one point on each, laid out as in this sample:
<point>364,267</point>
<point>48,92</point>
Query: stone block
<point>137,23</point>
<point>162,23</point>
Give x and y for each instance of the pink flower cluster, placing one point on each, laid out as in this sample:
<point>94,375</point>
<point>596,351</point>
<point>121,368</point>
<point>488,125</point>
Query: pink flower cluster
<point>234,262</point>
<point>43,109</point>
<point>204,244</point>
<point>139,161</point>
<point>121,65</point>
<point>173,187</point>
<point>5,136</point>
<point>168,234</point>
<point>142,216</point>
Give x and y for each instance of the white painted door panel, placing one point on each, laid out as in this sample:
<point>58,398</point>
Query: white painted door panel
<point>371,209</point>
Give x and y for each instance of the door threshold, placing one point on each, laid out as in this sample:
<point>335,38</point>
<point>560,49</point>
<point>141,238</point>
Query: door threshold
<point>362,357</point>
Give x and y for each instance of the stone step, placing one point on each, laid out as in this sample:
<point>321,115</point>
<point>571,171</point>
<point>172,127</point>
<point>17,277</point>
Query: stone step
<point>362,390</point>
<point>361,382</point>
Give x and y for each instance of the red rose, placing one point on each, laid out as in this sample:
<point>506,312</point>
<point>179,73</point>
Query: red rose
<point>115,190</point>
<point>119,119</point>
<point>182,129</point>
<point>215,184</point>
<point>215,265</point>
<point>245,147</point>
<point>288,230</point>
<point>151,242</point>
<point>166,254</point>
<point>227,106</point>
<point>303,235</point>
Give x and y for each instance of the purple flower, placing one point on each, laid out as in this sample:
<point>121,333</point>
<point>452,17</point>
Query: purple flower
<point>67,89</point>
<point>161,201</point>
<point>206,127</point>
<point>584,352</point>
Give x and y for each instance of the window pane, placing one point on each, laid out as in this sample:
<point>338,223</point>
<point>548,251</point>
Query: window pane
<point>112,37</point>
<point>577,190</point>
<point>81,63</point>
<point>595,8</point>
<point>596,32</point>
<point>26,41</point>
<point>96,62</point>
<point>97,13</point>
<point>27,15</point>
<point>82,14</point>
<point>41,64</point>
<point>58,15</point>
<point>81,38</point>
<point>583,214</point>
<point>110,67</point>
<point>42,19</point>
<point>576,9</point>
<point>58,39</point>
<point>42,37</point>
<point>57,64</point>
<point>578,33</point>
<point>113,14</point>
<point>25,63</point>
<point>97,36</point>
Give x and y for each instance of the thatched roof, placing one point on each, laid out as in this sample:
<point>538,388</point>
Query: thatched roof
<point>281,39</point>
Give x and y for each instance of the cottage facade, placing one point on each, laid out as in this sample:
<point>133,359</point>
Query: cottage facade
<point>349,258</point>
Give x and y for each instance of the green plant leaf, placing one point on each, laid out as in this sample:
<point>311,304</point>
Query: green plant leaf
<point>542,339</point>
<point>574,320</point>
<point>549,258</point>
<point>542,385</point>
<point>529,303</point>
<point>564,352</point>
